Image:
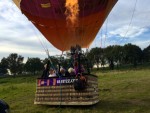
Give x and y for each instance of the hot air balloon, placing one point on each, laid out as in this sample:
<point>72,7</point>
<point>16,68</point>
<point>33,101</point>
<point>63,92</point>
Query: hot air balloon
<point>66,23</point>
<point>49,17</point>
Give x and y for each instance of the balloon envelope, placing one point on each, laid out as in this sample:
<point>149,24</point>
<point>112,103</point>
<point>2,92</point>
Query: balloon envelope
<point>50,19</point>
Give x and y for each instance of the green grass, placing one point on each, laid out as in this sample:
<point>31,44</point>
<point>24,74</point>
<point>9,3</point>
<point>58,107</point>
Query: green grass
<point>125,91</point>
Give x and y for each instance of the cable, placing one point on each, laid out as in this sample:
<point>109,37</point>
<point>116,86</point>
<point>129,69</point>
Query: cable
<point>123,37</point>
<point>106,32</point>
<point>45,49</point>
<point>131,19</point>
<point>38,11</point>
<point>33,27</point>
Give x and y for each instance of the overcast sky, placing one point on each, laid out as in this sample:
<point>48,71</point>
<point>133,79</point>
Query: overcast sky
<point>18,35</point>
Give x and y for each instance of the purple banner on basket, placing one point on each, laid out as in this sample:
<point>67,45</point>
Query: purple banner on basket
<point>55,81</point>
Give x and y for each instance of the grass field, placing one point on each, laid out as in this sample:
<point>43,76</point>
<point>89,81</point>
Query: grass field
<point>126,91</point>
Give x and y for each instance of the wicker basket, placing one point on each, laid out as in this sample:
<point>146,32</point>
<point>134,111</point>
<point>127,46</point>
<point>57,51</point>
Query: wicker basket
<point>60,91</point>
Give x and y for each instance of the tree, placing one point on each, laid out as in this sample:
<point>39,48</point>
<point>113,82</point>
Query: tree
<point>3,66</point>
<point>15,63</point>
<point>117,53</point>
<point>54,61</point>
<point>96,56</point>
<point>133,54</point>
<point>33,65</point>
<point>109,56</point>
<point>146,54</point>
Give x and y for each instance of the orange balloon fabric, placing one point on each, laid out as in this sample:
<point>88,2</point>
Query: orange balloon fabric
<point>50,19</point>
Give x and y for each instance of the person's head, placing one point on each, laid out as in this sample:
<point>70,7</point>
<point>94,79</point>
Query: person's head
<point>62,70</point>
<point>71,70</point>
<point>51,71</point>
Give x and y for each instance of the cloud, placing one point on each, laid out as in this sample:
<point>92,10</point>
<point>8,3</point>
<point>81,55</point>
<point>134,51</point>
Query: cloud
<point>121,30</point>
<point>128,32</point>
<point>11,13</point>
<point>122,13</point>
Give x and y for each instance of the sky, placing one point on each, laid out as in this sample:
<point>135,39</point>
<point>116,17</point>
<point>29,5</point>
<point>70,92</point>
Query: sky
<point>128,22</point>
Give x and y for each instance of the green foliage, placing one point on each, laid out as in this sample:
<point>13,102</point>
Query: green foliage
<point>54,61</point>
<point>3,66</point>
<point>96,56</point>
<point>146,54</point>
<point>133,54</point>
<point>109,55</point>
<point>33,65</point>
<point>65,63</point>
<point>119,55</point>
<point>15,63</point>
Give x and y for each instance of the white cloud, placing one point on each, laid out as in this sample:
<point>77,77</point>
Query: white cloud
<point>128,32</point>
<point>122,13</point>
<point>11,13</point>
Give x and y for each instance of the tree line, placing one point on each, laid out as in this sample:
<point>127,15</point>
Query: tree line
<point>115,55</point>
<point>14,63</point>
<point>119,55</point>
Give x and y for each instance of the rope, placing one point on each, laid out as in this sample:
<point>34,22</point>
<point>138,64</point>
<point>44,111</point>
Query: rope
<point>123,37</point>
<point>131,19</point>
<point>49,57</point>
<point>106,32</point>
<point>42,44</point>
<point>60,90</point>
<point>60,77</point>
<point>44,25</point>
<point>101,34</point>
<point>59,110</point>
<point>33,27</point>
<point>70,63</point>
